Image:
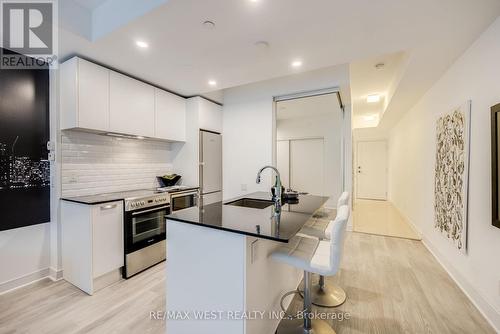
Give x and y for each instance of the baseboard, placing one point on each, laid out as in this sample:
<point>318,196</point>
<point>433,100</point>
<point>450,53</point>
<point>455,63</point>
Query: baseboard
<point>489,312</point>
<point>55,274</point>
<point>24,280</point>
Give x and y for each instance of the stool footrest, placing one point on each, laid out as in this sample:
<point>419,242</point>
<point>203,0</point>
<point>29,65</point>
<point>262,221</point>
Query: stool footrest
<point>293,292</point>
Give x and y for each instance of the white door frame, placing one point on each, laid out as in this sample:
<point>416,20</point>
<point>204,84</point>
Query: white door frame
<point>343,143</point>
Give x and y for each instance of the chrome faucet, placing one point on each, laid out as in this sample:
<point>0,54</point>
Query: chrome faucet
<point>277,187</point>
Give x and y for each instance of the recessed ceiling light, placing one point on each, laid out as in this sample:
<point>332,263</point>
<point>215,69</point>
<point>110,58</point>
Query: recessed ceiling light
<point>370,117</point>
<point>373,98</point>
<point>209,24</point>
<point>142,44</point>
<point>296,63</point>
<point>262,45</point>
<point>212,83</point>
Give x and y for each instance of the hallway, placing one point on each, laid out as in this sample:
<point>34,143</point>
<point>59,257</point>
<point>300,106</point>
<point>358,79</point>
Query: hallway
<point>381,218</point>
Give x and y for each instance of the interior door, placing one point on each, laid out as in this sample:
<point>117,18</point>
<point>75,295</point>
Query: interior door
<point>210,162</point>
<point>307,166</point>
<point>371,170</point>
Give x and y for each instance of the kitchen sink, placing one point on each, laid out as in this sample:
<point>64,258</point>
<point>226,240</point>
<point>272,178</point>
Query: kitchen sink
<point>251,203</point>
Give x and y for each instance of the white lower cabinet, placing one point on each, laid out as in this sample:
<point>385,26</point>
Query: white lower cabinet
<point>92,244</point>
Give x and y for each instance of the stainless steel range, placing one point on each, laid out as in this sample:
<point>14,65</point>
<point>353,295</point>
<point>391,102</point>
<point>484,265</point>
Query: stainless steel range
<point>144,230</point>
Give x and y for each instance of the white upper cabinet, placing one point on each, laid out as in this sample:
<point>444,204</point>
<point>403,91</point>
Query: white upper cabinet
<point>97,99</point>
<point>131,106</point>
<point>210,116</point>
<point>170,116</point>
<point>84,95</point>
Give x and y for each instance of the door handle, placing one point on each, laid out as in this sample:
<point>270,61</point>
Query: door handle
<point>146,211</point>
<point>108,207</point>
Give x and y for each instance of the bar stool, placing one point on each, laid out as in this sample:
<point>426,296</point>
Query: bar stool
<point>322,259</point>
<point>320,230</point>
<point>327,295</point>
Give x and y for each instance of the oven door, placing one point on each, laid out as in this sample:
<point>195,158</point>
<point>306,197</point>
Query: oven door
<point>180,201</point>
<point>145,227</point>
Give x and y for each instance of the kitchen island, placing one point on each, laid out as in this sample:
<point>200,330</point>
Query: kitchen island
<point>219,276</point>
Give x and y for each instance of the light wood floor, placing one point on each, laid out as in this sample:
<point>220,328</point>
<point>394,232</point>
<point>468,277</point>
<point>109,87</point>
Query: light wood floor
<point>381,218</point>
<point>393,286</point>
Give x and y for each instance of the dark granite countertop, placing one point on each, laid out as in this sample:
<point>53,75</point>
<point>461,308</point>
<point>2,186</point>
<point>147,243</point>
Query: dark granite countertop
<point>117,196</point>
<point>260,223</point>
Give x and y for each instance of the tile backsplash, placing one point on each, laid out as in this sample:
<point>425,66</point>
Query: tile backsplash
<point>94,164</point>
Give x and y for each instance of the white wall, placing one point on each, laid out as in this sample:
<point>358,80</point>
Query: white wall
<point>24,255</point>
<point>249,125</point>
<point>475,76</point>
<point>329,128</point>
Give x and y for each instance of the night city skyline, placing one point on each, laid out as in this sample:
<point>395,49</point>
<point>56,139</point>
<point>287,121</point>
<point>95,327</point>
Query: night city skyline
<point>22,171</point>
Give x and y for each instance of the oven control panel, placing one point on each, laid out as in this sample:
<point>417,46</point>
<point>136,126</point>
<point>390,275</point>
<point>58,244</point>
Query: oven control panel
<point>146,202</point>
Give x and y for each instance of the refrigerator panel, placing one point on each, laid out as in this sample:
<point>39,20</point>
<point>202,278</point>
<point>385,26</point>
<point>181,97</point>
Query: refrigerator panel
<point>210,162</point>
<point>211,198</point>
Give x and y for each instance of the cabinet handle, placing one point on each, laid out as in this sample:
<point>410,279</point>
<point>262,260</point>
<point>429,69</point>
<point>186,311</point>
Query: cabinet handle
<point>108,207</point>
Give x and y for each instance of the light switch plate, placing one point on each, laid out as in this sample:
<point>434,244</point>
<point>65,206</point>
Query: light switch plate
<point>50,146</point>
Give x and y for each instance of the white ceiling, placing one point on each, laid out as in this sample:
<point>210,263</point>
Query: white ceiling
<point>326,104</point>
<point>366,80</point>
<point>183,55</point>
